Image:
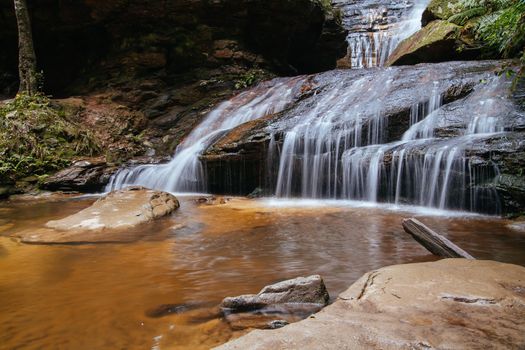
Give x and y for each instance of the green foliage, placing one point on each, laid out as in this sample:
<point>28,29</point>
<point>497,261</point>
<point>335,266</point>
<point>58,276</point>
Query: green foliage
<point>499,24</point>
<point>36,138</point>
<point>463,17</point>
<point>249,78</point>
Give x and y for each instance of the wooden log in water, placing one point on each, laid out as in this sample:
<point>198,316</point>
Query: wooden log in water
<point>432,241</point>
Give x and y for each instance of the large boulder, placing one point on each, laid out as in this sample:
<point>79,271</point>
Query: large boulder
<point>304,290</point>
<point>108,219</point>
<point>449,304</point>
<point>434,43</point>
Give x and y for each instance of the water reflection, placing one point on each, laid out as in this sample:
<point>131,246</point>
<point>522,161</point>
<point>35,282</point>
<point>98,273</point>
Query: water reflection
<point>97,296</point>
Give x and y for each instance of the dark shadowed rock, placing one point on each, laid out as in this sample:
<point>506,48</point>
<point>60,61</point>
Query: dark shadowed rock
<point>83,175</point>
<point>298,290</point>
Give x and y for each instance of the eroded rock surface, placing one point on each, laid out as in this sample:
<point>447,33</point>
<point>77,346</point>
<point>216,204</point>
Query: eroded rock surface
<point>449,304</point>
<point>307,290</point>
<point>107,218</point>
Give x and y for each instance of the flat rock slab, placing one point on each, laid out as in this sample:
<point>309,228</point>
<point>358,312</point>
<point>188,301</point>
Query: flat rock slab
<point>108,219</point>
<point>448,304</point>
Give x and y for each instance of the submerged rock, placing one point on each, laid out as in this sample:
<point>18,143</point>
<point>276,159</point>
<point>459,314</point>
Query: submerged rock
<point>308,290</point>
<point>107,218</point>
<point>449,304</point>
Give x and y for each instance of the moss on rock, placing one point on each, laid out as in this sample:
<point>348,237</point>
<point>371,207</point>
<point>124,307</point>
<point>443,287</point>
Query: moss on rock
<point>439,10</point>
<point>36,138</point>
<point>435,42</point>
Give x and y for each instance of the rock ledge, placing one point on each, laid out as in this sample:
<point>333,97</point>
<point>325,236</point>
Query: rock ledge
<point>449,304</point>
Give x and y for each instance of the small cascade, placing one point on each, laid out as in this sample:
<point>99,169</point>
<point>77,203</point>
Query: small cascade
<point>340,150</point>
<point>185,173</point>
<point>376,27</point>
<point>427,170</point>
<point>348,116</point>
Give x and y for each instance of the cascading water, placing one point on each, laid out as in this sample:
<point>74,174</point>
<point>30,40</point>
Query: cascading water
<point>325,155</point>
<point>376,28</point>
<point>185,173</point>
<point>341,148</point>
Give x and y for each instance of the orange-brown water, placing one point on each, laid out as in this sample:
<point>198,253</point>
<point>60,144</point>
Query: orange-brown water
<point>97,296</point>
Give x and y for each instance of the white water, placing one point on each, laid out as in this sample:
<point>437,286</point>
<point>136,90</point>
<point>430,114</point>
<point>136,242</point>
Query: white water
<point>324,155</point>
<point>185,173</point>
<point>372,46</point>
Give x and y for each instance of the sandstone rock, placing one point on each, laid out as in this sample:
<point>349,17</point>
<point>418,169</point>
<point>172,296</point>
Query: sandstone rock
<point>434,43</point>
<point>449,304</point>
<point>298,290</point>
<point>108,219</point>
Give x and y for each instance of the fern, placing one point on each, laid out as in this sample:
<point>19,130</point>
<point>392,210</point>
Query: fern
<point>462,17</point>
<point>500,24</point>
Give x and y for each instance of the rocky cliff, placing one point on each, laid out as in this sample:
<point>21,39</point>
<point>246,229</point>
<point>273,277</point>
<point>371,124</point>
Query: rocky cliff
<point>164,63</point>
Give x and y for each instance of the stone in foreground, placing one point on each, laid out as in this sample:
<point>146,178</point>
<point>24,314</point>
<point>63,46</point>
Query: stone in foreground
<point>306,290</point>
<point>449,304</point>
<point>107,218</point>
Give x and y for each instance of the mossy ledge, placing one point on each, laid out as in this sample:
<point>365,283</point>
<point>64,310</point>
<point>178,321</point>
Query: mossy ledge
<point>37,138</point>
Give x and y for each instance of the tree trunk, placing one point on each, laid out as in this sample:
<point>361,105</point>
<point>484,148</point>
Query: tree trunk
<point>26,51</point>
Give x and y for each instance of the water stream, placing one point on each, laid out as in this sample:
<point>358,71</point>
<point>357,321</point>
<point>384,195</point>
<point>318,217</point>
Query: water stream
<point>184,173</point>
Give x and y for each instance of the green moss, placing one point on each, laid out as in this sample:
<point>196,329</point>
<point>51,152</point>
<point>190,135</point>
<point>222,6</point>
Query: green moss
<point>442,9</point>
<point>432,34</point>
<point>37,138</point>
<point>250,78</point>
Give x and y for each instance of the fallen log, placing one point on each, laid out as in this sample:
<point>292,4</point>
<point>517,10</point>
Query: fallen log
<point>432,241</point>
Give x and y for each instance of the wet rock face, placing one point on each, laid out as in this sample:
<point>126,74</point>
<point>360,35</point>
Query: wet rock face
<point>301,290</point>
<point>107,220</point>
<point>449,304</point>
<point>371,25</point>
<point>379,104</point>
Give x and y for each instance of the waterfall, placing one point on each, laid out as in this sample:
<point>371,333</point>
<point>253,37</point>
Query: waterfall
<point>185,173</point>
<point>338,150</point>
<point>377,27</point>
